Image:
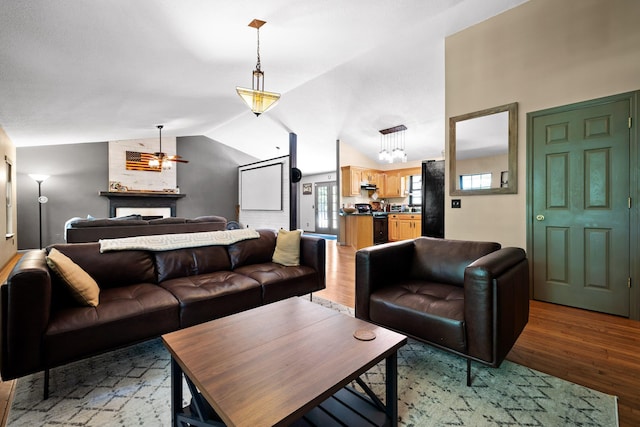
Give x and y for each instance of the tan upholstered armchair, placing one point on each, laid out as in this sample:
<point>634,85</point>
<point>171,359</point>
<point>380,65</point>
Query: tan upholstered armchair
<point>469,298</point>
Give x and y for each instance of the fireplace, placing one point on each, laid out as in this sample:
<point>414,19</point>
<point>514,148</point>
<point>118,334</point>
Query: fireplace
<point>147,204</point>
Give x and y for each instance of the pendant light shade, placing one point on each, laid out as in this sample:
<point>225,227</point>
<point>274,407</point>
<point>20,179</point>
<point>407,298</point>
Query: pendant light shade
<point>257,98</point>
<point>259,101</point>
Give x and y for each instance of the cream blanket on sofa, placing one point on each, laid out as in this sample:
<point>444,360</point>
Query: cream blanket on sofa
<point>167,242</point>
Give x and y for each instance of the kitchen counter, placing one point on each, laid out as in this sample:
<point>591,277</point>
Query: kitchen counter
<point>404,213</point>
<point>357,229</point>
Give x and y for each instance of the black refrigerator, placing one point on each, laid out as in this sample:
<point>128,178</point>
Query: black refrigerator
<point>433,198</point>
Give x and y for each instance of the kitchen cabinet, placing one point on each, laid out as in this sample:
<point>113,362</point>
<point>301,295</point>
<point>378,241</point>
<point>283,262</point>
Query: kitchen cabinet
<point>392,184</point>
<point>351,178</point>
<point>404,226</point>
<point>359,231</point>
<point>373,177</point>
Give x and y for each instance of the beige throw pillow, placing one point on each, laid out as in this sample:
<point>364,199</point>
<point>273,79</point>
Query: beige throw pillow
<point>287,248</point>
<point>84,289</point>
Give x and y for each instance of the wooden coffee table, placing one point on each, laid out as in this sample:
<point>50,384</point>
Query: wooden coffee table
<point>280,364</point>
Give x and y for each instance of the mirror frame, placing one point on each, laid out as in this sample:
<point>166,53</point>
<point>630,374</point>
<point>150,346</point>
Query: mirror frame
<point>512,187</point>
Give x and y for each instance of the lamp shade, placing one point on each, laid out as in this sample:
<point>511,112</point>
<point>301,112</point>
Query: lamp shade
<point>38,177</point>
<point>258,101</point>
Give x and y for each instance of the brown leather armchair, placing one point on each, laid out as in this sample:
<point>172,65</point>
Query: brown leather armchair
<point>469,298</point>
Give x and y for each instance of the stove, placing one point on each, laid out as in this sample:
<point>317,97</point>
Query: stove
<point>380,228</point>
<point>363,208</point>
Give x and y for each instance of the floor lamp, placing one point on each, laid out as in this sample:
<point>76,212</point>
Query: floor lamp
<point>41,200</point>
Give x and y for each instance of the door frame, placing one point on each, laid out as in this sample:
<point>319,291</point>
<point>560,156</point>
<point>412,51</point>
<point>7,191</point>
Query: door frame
<point>634,189</point>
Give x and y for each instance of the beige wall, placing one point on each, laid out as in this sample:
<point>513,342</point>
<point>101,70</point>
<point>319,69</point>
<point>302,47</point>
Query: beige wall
<point>542,54</point>
<point>8,245</point>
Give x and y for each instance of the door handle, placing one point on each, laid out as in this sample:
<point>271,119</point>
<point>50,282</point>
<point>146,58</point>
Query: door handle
<point>540,217</point>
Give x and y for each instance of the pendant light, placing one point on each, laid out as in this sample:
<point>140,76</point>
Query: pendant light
<point>392,144</point>
<point>256,98</point>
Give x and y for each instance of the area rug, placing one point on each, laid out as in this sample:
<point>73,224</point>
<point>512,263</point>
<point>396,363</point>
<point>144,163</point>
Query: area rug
<point>132,386</point>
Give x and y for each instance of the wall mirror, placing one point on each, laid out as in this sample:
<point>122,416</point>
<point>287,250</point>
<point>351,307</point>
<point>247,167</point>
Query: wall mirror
<point>483,152</point>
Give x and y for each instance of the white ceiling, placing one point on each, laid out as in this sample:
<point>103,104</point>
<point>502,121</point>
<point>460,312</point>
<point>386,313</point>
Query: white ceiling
<point>75,71</point>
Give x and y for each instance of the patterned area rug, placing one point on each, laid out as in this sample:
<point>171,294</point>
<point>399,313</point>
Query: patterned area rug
<point>132,387</point>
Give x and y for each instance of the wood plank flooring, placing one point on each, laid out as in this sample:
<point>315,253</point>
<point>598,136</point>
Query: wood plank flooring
<point>595,350</point>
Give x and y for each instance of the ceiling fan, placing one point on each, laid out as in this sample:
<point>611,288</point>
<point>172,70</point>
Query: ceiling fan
<point>160,159</point>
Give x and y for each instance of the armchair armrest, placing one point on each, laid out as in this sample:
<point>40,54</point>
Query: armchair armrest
<point>380,266</point>
<point>26,306</point>
<point>496,293</point>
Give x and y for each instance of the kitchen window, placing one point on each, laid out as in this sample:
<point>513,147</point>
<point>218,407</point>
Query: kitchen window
<point>415,190</point>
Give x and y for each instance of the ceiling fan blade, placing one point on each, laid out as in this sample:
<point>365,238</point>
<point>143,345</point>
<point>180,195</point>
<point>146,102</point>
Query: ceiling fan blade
<point>179,160</point>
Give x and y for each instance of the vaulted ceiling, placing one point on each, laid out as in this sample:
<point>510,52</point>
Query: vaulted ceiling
<point>74,71</point>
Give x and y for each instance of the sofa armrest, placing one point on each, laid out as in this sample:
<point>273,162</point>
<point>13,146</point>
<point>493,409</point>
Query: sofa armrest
<point>313,254</point>
<point>26,306</point>
<point>380,266</point>
<point>496,294</point>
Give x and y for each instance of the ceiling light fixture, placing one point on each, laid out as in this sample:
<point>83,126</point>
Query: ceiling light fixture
<point>161,160</point>
<point>392,144</point>
<point>158,160</point>
<point>256,98</point>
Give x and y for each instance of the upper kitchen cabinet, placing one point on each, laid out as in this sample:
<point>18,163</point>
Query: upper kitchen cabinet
<point>351,179</point>
<point>392,187</point>
<point>374,177</point>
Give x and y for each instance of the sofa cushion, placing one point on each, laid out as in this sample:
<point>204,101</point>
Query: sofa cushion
<point>169,220</point>
<point>112,269</point>
<point>280,282</point>
<point>253,251</point>
<point>426,310</point>
<point>191,261</point>
<point>287,250</point>
<point>208,296</point>
<point>84,289</point>
<point>444,261</point>
<point>125,315</point>
<point>109,222</point>
<point>208,218</point>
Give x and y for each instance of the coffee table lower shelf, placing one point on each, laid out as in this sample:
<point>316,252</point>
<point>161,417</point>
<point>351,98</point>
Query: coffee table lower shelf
<point>346,407</point>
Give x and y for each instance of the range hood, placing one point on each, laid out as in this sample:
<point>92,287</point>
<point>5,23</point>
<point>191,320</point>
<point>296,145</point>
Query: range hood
<point>368,187</point>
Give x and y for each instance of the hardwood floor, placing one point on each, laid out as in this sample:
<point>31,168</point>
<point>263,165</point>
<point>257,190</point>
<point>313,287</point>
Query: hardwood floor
<point>595,350</point>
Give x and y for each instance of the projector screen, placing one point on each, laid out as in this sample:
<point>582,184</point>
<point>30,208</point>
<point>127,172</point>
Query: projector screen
<point>261,188</point>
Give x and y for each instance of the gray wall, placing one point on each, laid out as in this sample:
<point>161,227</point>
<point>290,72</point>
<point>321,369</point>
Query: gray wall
<point>79,171</point>
<point>210,179</point>
<point>76,173</point>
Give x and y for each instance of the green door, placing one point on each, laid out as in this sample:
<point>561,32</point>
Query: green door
<point>580,206</point>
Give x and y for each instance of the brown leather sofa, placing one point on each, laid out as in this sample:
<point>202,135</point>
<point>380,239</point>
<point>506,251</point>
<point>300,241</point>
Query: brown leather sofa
<point>92,230</point>
<point>469,298</point>
<point>143,294</point>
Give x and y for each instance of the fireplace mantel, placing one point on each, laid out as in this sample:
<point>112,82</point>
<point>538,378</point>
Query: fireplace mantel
<point>120,199</point>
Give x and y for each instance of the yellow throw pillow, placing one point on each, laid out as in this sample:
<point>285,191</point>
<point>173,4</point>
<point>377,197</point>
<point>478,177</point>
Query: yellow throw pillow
<point>84,289</point>
<point>287,248</point>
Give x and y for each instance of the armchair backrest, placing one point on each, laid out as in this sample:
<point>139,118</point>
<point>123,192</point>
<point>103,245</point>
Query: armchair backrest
<point>444,260</point>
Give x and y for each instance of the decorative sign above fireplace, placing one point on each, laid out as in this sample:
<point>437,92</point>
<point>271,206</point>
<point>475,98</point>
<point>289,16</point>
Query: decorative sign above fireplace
<point>123,178</point>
